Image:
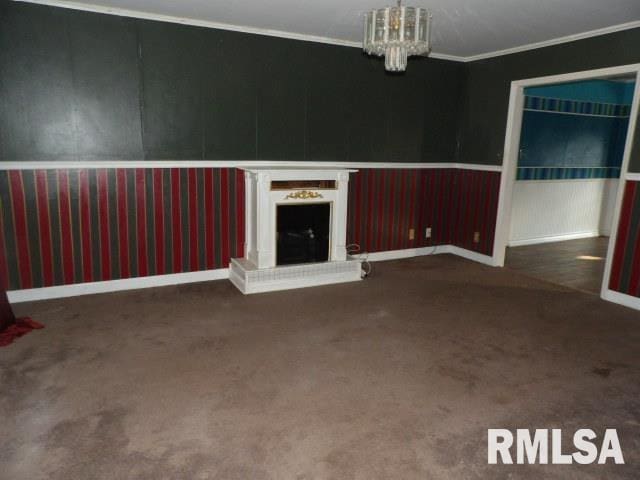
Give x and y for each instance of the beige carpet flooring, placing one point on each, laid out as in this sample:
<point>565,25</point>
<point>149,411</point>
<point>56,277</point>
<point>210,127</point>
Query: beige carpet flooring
<point>395,377</point>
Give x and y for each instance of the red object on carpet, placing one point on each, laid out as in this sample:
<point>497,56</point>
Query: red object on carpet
<point>6,314</point>
<point>22,326</point>
<point>10,326</point>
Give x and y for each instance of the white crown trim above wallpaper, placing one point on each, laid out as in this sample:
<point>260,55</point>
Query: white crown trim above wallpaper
<point>53,165</point>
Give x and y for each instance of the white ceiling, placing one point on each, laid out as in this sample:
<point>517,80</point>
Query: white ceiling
<point>461,28</point>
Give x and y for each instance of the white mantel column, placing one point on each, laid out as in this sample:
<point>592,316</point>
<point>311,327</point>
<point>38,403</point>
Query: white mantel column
<point>339,250</point>
<point>265,254</point>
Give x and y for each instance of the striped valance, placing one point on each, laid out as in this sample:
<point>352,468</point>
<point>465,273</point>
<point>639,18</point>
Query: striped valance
<point>566,173</point>
<point>544,104</point>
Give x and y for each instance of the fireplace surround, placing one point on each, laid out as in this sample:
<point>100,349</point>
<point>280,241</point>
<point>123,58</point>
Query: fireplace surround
<point>295,230</point>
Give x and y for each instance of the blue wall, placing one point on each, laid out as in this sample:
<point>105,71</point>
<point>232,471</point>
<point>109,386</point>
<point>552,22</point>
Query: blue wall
<point>574,130</point>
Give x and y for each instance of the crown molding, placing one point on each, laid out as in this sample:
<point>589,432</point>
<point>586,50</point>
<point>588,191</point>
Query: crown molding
<point>319,39</point>
<point>555,41</point>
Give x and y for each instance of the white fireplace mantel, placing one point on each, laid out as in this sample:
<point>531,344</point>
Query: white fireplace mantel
<point>261,202</point>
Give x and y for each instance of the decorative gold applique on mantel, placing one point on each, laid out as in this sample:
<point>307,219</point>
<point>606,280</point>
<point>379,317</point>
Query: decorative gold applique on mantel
<point>303,195</point>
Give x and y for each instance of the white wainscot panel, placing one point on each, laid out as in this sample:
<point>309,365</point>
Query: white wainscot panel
<point>553,210</point>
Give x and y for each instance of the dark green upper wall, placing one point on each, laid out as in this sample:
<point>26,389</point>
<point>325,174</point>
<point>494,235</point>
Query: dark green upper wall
<point>67,87</point>
<point>85,86</point>
<point>484,114</point>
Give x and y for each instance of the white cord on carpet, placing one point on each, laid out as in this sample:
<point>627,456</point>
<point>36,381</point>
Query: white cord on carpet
<point>353,251</point>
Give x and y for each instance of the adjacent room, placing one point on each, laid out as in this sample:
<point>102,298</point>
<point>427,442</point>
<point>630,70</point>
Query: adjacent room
<point>331,240</point>
<point>572,144</point>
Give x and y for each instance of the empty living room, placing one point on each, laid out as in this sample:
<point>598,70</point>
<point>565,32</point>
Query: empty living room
<point>350,240</point>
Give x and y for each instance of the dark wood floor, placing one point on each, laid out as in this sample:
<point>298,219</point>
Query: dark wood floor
<point>573,263</point>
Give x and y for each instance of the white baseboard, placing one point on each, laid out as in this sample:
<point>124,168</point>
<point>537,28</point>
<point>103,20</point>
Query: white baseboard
<point>435,250</point>
<point>471,255</point>
<point>554,238</point>
<point>61,291</point>
<point>622,299</point>
<point>406,253</point>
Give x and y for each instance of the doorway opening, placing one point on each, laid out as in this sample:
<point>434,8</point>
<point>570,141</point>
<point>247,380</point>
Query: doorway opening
<point>567,159</point>
<point>570,155</point>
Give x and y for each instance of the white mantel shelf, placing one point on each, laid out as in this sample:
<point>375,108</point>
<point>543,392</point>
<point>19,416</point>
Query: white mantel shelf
<point>258,270</point>
<point>299,173</point>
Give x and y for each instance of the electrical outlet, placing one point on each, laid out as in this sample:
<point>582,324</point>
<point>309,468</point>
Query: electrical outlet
<point>427,232</point>
<point>412,233</point>
<point>476,237</point>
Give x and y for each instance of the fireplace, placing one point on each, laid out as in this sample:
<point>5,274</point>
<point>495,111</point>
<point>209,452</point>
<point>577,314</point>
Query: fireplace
<point>302,233</point>
<point>295,230</point>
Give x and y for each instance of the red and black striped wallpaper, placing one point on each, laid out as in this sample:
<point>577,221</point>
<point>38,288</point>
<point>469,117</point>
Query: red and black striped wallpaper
<point>625,267</point>
<point>83,225</point>
<point>454,203</point>
<point>71,226</point>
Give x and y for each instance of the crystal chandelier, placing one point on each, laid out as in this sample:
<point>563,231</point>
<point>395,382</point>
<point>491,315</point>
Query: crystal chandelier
<point>397,33</point>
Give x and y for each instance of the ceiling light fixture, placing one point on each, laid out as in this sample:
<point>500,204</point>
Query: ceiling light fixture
<point>397,33</point>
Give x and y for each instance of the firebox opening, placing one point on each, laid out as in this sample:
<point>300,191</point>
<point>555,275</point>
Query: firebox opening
<point>303,233</point>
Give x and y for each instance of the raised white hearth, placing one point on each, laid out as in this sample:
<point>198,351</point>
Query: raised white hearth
<point>290,247</point>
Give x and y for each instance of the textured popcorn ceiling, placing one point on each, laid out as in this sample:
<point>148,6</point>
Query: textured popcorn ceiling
<point>461,27</point>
